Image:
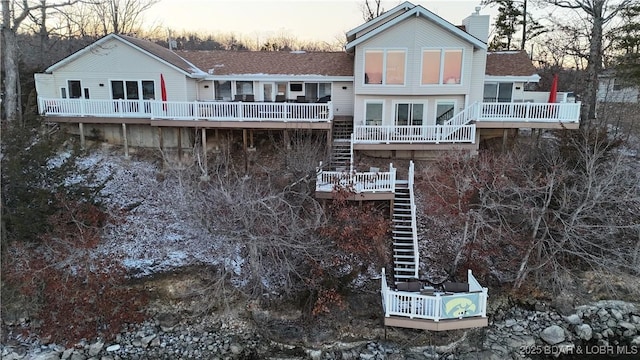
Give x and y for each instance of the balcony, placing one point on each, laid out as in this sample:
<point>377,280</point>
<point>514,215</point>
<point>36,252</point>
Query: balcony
<point>209,111</point>
<point>434,310</point>
<point>528,115</point>
<point>369,185</point>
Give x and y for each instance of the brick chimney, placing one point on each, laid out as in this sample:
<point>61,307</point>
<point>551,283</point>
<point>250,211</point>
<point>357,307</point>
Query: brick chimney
<point>477,25</point>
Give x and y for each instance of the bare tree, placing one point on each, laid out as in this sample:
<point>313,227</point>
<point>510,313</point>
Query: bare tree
<point>597,13</point>
<point>121,16</point>
<point>371,9</point>
<point>542,213</point>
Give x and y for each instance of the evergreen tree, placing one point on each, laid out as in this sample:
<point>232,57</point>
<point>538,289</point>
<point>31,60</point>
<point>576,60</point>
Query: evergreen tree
<point>626,44</point>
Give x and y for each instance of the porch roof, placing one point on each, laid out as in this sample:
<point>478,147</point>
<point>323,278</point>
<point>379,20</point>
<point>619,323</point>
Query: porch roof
<point>509,63</point>
<point>223,62</point>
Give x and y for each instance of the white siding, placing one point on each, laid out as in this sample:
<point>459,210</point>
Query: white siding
<point>342,98</point>
<point>115,60</point>
<point>389,102</point>
<point>413,35</point>
<point>607,92</point>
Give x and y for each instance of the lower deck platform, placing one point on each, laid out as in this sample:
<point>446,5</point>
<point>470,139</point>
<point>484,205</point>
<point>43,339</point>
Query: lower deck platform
<point>442,325</point>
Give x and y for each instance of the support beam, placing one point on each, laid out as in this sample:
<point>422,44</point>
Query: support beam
<point>179,143</point>
<point>82,139</point>
<point>329,143</point>
<point>217,137</point>
<point>205,168</point>
<point>505,137</point>
<point>287,142</point>
<point>160,140</point>
<point>251,146</point>
<point>124,140</point>
<point>244,148</point>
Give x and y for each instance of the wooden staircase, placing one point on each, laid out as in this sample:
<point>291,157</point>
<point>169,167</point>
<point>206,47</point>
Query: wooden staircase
<point>341,147</point>
<point>405,263</point>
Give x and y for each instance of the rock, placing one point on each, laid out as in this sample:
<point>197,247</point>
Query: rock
<point>95,348</point>
<point>155,342</point>
<point>573,319</point>
<point>552,335</point>
<point>627,325</point>
<point>584,332</point>
<point>616,314</point>
<point>314,354</point>
<point>147,340</point>
<point>636,340</point>
<point>53,355</point>
<point>509,322</point>
<point>113,348</point>
<point>235,349</point>
<point>77,356</point>
<point>66,354</point>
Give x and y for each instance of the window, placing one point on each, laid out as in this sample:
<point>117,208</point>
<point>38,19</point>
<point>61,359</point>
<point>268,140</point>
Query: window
<point>63,93</point>
<point>315,91</point>
<point>498,92</point>
<point>244,87</point>
<point>222,90</point>
<point>442,66</point>
<point>617,86</point>
<point>409,114</point>
<point>148,90</point>
<point>295,87</point>
<point>75,89</point>
<point>444,111</point>
<point>373,113</point>
<point>384,67</point>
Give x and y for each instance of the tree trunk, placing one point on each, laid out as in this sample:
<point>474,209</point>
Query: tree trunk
<point>595,63</point>
<point>11,71</point>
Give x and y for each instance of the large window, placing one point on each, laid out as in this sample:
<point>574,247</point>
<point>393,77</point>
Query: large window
<point>75,89</point>
<point>409,114</point>
<point>222,89</point>
<point>373,113</point>
<point>384,67</point>
<point>444,111</point>
<point>498,92</point>
<point>244,87</point>
<point>441,66</point>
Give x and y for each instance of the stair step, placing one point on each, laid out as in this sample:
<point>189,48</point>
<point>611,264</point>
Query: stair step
<point>396,263</point>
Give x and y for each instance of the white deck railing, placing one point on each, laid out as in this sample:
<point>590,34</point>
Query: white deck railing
<point>436,134</point>
<point>436,307</point>
<point>359,182</point>
<point>529,112</point>
<point>414,221</point>
<point>185,110</point>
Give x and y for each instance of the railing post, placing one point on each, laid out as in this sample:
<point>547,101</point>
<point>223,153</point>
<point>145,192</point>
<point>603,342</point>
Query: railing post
<point>438,307</point>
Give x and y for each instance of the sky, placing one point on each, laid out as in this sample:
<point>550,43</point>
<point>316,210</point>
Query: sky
<point>319,20</point>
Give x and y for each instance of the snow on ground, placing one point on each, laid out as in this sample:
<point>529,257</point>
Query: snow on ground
<point>154,230</point>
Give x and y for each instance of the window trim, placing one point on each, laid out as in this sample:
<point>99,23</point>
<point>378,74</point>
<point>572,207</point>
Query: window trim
<point>373,101</point>
<point>441,80</point>
<point>443,101</point>
<point>385,52</point>
<point>425,108</point>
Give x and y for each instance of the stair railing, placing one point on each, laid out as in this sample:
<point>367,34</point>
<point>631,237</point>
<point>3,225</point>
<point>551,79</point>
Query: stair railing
<point>414,227</point>
<point>351,153</point>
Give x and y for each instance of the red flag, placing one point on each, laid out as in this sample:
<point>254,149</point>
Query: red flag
<point>163,91</point>
<point>553,93</point>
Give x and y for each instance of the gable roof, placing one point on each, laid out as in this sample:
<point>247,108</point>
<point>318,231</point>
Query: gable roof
<point>511,64</point>
<point>415,10</point>
<point>225,62</point>
<point>351,34</point>
<point>155,51</point>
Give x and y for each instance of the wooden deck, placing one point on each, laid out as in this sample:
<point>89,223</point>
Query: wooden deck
<point>442,325</point>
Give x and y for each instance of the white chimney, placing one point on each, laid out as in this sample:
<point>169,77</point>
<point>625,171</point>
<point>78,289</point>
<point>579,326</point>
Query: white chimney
<point>477,25</point>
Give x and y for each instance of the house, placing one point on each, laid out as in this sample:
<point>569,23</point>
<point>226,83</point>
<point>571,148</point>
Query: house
<point>408,84</point>
<point>613,89</point>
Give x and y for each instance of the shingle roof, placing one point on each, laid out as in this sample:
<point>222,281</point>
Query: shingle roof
<point>271,62</point>
<point>509,63</point>
<point>161,52</point>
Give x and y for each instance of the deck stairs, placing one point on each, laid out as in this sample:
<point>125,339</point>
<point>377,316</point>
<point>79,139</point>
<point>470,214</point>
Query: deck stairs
<point>404,232</point>
<point>342,146</point>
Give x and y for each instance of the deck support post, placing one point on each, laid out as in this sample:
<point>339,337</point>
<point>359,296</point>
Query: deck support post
<point>205,169</point>
<point>217,137</point>
<point>179,143</point>
<point>160,140</point>
<point>286,140</point>
<point>246,152</point>
<point>125,142</point>
<point>251,146</point>
<point>82,139</point>
<point>505,135</point>
<point>329,142</point>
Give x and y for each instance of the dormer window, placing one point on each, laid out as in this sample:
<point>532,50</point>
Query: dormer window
<point>441,67</point>
<point>384,67</point>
